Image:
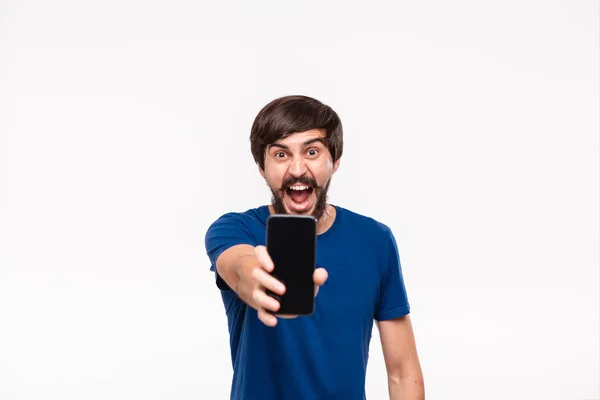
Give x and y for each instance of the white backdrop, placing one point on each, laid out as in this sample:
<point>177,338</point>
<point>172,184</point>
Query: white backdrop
<point>471,129</point>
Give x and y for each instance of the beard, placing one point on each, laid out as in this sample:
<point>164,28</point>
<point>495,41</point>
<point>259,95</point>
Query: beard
<point>320,191</point>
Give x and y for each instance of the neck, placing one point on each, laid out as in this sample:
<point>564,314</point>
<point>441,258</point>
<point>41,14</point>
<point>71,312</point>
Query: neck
<point>326,220</point>
<point>323,223</point>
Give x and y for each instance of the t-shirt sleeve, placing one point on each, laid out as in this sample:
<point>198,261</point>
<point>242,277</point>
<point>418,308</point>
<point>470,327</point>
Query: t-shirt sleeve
<point>393,300</point>
<point>229,230</point>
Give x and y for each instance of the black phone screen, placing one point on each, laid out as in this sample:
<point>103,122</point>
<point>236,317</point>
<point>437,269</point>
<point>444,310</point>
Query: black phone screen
<point>291,244</point>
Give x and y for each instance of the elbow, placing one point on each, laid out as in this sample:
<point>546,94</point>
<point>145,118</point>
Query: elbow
<point>403,375</point>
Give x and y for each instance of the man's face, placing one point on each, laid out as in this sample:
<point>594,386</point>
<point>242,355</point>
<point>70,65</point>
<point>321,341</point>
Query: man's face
<point>298,170</point>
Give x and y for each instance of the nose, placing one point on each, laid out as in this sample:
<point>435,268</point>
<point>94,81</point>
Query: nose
<point>298,168</point>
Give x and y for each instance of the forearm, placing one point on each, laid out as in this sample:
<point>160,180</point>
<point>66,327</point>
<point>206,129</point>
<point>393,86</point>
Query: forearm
<point>408,387</point>
<point>232,261</point>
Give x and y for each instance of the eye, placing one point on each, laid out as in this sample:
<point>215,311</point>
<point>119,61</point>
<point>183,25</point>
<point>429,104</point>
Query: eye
<point>312,152</point>
<point>279,154</point>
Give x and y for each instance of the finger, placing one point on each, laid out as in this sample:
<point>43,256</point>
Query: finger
<point>263,258</point>
<point>320,276</point>
<point>263,300</point>
<point>267,281</point>
<point>266,318</point>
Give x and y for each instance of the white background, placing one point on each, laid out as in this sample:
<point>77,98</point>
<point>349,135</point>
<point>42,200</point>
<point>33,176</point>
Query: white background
<point>471,129</point>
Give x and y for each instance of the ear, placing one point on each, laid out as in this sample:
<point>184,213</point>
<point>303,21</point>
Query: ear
<point>260,170</point>
<point>336,165</point>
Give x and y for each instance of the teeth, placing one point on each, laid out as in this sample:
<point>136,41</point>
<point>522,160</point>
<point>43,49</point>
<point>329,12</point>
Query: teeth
<point>298,187</point>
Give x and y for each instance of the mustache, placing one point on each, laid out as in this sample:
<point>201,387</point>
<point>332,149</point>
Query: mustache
<point>303,180</point>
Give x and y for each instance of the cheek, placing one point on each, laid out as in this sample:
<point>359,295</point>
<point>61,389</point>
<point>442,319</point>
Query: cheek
<point>273,176</point>
<point>270,179</point>
<point>323,172</point>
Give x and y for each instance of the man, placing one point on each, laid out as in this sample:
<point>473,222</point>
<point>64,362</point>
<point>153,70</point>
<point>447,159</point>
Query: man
<point>297,143</point>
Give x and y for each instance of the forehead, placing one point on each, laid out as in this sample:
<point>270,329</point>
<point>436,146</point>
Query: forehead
<point>299,138</point>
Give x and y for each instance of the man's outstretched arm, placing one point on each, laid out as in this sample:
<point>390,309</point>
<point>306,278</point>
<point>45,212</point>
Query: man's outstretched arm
<point>246,270</point>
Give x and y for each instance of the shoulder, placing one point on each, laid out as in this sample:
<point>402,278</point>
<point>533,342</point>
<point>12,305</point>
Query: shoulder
<point>365,224</point>
<point>373,235</point>
<point>239,223</point>
<point>234,228</point>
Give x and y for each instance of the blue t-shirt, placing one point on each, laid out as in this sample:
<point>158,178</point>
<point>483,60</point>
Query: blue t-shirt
<point>324,355</point>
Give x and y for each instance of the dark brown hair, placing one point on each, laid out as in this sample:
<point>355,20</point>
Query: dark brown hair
<point>287,115</point>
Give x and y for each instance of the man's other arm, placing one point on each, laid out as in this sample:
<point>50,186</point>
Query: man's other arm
<point>405,378</point>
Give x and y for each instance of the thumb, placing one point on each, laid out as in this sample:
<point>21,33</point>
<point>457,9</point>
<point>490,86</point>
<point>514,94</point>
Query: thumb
<point>319,277</point>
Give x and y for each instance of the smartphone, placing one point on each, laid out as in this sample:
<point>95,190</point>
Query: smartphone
<point>291,244</point>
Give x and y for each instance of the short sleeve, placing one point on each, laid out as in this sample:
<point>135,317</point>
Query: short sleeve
<point>229,230</point>
<point>393,299</point>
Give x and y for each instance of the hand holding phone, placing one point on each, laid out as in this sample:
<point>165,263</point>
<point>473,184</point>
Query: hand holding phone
<point>260,279</point>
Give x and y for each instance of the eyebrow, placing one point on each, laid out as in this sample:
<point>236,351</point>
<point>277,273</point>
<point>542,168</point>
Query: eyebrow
<point>307,143</point>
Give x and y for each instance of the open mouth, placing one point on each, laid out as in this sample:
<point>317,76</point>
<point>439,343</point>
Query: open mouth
<point>299,197</point>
